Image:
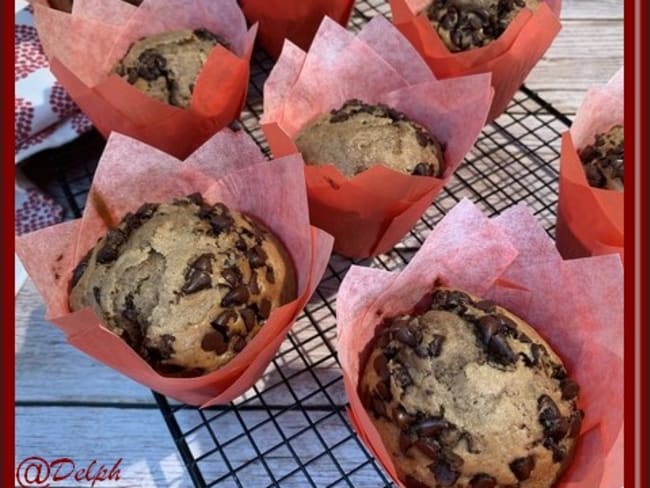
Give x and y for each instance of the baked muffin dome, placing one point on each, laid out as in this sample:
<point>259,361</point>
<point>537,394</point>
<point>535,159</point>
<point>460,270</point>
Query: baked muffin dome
<point>186,284</point>
<point>603,160</point>
<point>166,66</point>
<point>358,136</point>
<point>466,394</point>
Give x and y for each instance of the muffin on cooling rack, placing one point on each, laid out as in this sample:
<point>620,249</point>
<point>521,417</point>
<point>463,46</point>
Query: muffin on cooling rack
<point>603,160</point>
<point>468,24</point>
<point>358,136</point>
<point>165,66</point>
<point>186,284</point>
<point>466,394</point>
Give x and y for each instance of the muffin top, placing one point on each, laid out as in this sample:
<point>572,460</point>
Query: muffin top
<point>466,394</point>
<point>166,66</point>
<point>358,136</point>
<point>187,285</point>
<point>468,24</point>
<point>603,160</point>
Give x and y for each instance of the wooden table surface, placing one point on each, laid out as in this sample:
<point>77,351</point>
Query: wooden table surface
<point>69,406</point>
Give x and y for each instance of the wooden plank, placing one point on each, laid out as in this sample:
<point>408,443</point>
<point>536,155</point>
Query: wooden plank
<point>139,437</point>
<point>592,9</point>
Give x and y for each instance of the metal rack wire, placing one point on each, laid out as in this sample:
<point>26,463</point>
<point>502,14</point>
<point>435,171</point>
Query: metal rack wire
<point>291,429</point>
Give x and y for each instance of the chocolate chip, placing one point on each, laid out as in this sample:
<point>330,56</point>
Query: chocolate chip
<point>256,257</point>
<point>220,223</point>
<point>264,308</point>
<point>403,419</point>
<point>402,376</point>
<point>522,467</point>
<point>548,410</point>
<point>151,65</point>
<point>559,452</point>
<point>558,428</point>
<point>429,448</point>
<point>449,20</point>
<point>423,169</point>
<point>270,276</point>
<point>238,343</point>
<point>380,365</point>
<point>408,336</point>
<point>444,474</point>
<point>500,351</point>
<point>232,276</point>
<point>196,198</point>
<point>411,482</point>
<point>570,389</point>
<point>110,249</point>
<point>383,391</point>
<point>206,35</point>
<point>487,306</point>
<point>248,316</point>
<point>214,341</point>
<point>236,296</point>
<point>575,420</point>
<point>559,373</point>
<point>224,319</point>
<point>509,325</point>
<point>482,480</point>
<point>80,269</point>
<point>338,116</point>
<point>203,262</point>
<point>487,326</point>
<point>196,280</point>
<point>240,245</point>
<point>252,284</point>
<point>431,427</point>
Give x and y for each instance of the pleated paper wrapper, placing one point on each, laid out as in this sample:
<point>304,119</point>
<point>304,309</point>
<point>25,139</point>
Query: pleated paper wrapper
<point>576,305</point>
<point>84,47</point>
<point>228,168</point>
<point>509,58</point>
<point>296,20</point>
<point>590,220</point>
<point>369,213</point>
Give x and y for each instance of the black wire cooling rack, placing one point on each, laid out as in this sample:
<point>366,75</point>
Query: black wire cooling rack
<point>291,429</point>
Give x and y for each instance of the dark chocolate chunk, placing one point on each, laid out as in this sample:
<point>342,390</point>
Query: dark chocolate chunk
<point>236,296</point>
<point>238,343</point>
<point>522,467</point>
<point>256,257</point>
<point>444,474</point>
<point>548,410</point>
<point>220,223</point>
<point>97,295</point>
<point>487,306</point>
<point>500,351</point>
<point>222,322</point>
<point>196,276</point>
<point>408,336</point>
<point>240,245</point>
<point>264,308</point>
<point>482,480</point>
<point>429,447</point>
<point>559,373</point>
<point>214,341</point>
<point>252,284</point>
<point>203,262</point>
<point>152,65</point>
<point>423,169</point>
<point>487,326</point>
<point>337,116</point>
<point>559,452</point>
<point>80,269</point>
<point>270,276</point>
<point>570,389</point>
<point>111,247</point>
<point>402,376</point>
<point>232,276</point>
<point>248,316</point>
<point>557,429</point>
<point>431,427</point>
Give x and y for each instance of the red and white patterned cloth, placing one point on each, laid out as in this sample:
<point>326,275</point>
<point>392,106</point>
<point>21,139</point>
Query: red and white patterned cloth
<point>45,117</point>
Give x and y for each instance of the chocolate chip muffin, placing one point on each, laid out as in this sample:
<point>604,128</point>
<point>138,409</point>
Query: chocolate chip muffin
<point>466,394</point>
<point>185,284</point>
<point>166,66</point>
<point>468,24</point>
<point>603,160</point>
<point>358,136</point>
